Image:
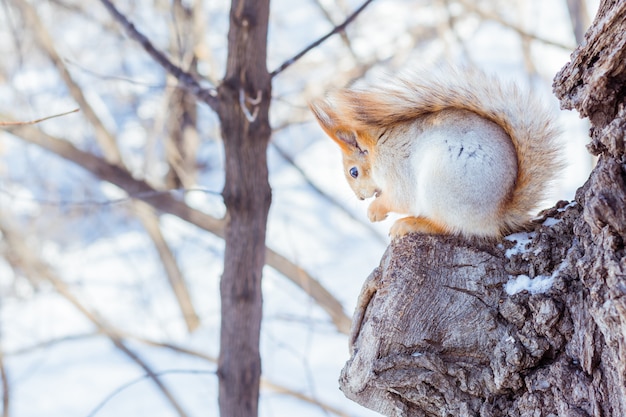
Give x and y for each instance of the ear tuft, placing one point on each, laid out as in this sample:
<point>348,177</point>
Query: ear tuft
<point>324,113</point>
<point>329,119</point>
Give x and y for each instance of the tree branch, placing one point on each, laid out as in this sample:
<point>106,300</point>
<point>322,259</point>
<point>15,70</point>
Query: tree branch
<point>32,122</point>
<point>105,139</point>
<point>335,30</point>
<point>289,159</point>
<point>265,383</point>
<point>206,95</point>
<point>343,34</point>
<point>471,6</point>
<point>150,221</point>
<point>129,384</point>
<point>166,203</point>
<point>108,145</point>
<point>21,256</point>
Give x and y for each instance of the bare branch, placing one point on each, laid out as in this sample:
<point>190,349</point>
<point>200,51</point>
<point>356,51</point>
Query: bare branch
<point>265,384</point>
<point>25,350</point>
<point>119,176</point>
<point>24,257</point>
<point>95,203</point>
<point>343,34</point>
<point>471,6</point>
<point>109,147</point>
<point>207,95</point>
<point>32,122</point>
<point>312,287</point>
<point>120,344</point>
<point>129,384</point>
<point>335,30</point>
<point>283,153</point>
<point>166,203</point>
<point>108,144</point>
<point>150,222</point>
<point>106,141</point>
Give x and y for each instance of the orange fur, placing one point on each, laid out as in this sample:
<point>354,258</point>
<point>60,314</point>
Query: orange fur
<point>355,117</point>
<point>408,225</point>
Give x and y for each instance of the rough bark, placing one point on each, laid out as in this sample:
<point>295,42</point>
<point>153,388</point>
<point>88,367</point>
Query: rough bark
<point>436,334</point>
<point>244,98</point>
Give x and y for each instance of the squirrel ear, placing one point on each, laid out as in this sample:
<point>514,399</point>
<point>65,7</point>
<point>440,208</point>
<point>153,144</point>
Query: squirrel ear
<point>345,139</point>
<point>324,113</point>
<point>330,122</point>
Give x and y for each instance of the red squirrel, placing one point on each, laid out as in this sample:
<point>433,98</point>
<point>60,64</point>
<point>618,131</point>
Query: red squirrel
<point>457,151</point>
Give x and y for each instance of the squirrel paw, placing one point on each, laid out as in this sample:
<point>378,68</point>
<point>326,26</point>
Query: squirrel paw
<point>408,225</point>
<point>377,212</point>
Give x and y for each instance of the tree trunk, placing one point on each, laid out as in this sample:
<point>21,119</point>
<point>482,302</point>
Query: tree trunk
<point>244,98</point>
<point>436,333</point>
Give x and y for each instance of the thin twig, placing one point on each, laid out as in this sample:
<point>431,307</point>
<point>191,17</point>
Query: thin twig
<point>168,204</point>
<point>318,42</point>
<point>99,203</point>
<point>104,76</point>
<point>44,40</point>
<point>32,122</point>
<point>108,144</point>
<point>265,383</point>
<point>343,34</point>
<point>176,279</point>
<point>22,256</point>
<point>207,95</point>
<point>25,350</point>
<point>16,33</point>
<point>494,17</point>
<point>325,195</point>
<point>129,384</point>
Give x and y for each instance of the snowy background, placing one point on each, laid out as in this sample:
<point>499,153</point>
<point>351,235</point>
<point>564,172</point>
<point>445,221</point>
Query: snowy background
<point>55,360</point>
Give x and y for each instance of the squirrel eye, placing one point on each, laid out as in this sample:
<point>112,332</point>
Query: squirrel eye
<point>354,172</point>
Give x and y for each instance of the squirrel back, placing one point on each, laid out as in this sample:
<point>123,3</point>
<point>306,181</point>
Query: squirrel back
<point>350,116</point>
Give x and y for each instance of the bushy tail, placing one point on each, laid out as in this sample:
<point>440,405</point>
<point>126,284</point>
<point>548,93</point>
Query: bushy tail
<point>404,97</point>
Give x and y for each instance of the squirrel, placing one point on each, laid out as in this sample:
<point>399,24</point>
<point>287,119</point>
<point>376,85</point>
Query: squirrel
<point>456,150</point>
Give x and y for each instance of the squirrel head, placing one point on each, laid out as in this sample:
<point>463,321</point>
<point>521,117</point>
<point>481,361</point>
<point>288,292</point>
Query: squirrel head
<point>357,148</point>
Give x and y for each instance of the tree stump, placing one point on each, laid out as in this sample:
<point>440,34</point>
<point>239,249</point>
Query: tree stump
<point>442,328</point>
